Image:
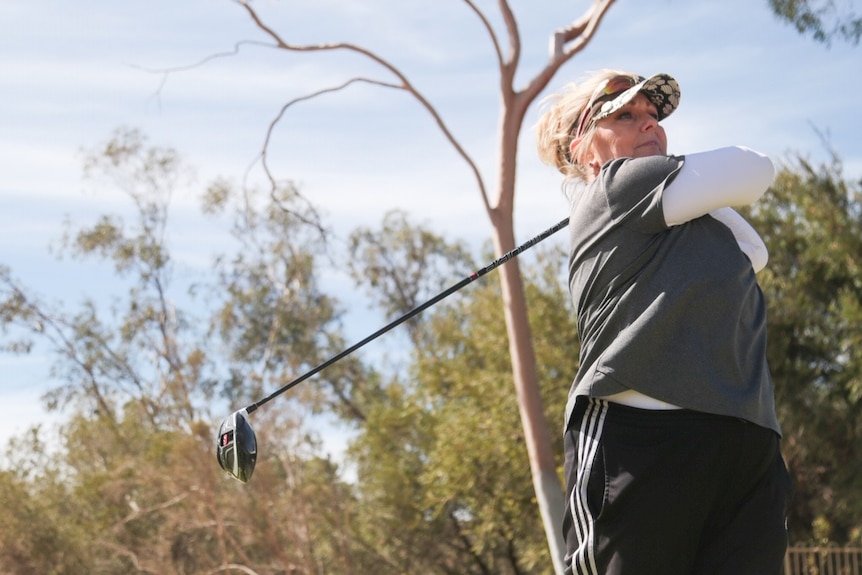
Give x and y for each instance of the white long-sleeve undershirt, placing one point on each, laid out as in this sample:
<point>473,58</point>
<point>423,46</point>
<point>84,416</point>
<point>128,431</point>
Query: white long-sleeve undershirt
<point>748,239</point>
<point>713,183</point>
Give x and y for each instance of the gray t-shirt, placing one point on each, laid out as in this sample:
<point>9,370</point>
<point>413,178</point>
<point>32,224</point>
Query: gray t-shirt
<point>671,312</point>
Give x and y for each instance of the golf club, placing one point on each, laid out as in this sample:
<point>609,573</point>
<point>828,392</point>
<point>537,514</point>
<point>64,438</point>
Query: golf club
<point>236,445</point>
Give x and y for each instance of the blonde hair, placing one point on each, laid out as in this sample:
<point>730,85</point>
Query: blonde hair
<point>554,130</point>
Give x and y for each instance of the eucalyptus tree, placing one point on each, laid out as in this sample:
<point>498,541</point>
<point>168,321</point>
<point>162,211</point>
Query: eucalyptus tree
<point>811,220</point>
<point>133,485</point>
<point>824,20</point>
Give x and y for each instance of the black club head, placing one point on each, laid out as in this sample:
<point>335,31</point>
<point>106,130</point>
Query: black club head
<point>236,446</point>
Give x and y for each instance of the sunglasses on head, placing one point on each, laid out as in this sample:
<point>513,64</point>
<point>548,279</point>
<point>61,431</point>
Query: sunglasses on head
<point>236,449</point>
<point>604,92</point>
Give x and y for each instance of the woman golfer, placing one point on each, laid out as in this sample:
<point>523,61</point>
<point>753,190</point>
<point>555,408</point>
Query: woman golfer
<point>672,451</point>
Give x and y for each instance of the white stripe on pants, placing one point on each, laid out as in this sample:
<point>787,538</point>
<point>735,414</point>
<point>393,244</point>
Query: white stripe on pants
<point>590,433</point>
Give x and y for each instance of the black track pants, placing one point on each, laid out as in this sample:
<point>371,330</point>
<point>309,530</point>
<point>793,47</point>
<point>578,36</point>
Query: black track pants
<point>672,493</point>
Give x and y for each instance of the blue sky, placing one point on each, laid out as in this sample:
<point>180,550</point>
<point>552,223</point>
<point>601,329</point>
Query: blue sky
<point>72,72</point>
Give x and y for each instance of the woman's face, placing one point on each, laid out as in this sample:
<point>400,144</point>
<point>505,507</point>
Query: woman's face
<point>632,131</point>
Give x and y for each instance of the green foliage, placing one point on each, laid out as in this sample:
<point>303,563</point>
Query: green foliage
<point>134,486</point>
<point>823,19</point>
<point>36,535</point>
<point>273,319</point>
<point>811,220</point>
<point>402,266</point>
<point>442,463</point>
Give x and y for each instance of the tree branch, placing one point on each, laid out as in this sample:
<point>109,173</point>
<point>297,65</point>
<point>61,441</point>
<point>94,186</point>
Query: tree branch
<point>579,34</point>
<point>514,41</point>
<point>30,315</point>
<point>138,512</point>
<point>129,554</point>
<point>582,30</point>
<point>165,72</point>
<point>405,84</point>
<point>232,567</point>
<point>490,30</point>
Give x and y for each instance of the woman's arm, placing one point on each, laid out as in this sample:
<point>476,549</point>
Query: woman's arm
<point>748,239</point>
<point>726,177</point>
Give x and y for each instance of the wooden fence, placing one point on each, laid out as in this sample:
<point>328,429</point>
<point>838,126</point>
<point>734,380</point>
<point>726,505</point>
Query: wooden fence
<point>823,561</point>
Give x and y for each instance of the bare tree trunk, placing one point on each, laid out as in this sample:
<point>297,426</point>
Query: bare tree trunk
<point>546,482</point>
<point>565,43</point>
<point>537,436</point>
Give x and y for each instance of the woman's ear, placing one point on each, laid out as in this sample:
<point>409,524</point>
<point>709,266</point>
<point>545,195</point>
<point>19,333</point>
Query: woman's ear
<point>584,157</point>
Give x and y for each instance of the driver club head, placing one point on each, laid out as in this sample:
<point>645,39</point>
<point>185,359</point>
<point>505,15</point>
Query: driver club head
<point>236,446</point>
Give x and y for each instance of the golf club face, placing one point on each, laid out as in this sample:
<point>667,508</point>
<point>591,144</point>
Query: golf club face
<point>236,446</point>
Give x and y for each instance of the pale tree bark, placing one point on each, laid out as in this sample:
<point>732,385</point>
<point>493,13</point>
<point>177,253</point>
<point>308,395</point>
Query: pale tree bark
<point>564,44</point>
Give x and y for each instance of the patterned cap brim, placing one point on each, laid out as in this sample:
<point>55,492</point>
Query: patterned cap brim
<point>661,89</point>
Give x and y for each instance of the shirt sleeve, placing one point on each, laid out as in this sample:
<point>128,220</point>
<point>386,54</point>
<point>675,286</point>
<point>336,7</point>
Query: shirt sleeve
<point>726,177</point>
<point>749,240</point>
<point>634,188</point>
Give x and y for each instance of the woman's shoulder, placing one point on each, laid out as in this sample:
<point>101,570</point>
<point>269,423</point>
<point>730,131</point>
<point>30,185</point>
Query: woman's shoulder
<point>639,175</point>
<point>641,166</point>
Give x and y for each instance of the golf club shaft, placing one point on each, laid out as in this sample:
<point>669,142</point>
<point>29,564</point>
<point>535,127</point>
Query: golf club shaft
<point>415,311</point>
